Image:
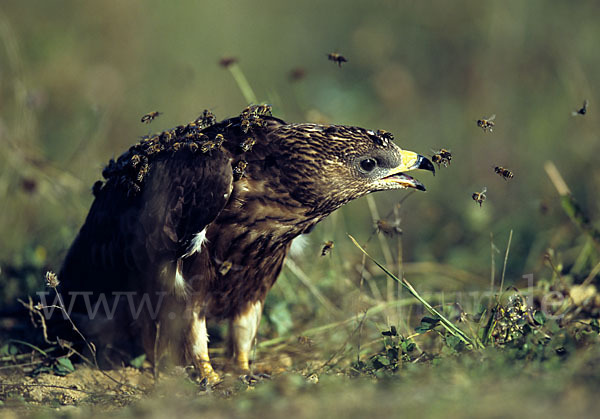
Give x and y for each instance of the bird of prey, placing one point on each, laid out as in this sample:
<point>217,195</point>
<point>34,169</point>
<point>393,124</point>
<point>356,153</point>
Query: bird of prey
<point>195,223</point>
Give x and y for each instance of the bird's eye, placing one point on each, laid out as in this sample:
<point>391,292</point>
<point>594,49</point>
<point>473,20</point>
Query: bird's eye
<point>368,164</point>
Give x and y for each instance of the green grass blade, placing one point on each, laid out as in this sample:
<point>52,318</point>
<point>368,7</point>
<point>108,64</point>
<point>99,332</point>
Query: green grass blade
<point>242,83</point>
<point>455,331</point>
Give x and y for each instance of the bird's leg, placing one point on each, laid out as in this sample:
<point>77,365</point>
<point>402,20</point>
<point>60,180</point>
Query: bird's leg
<point>197,348</point>
<point>242,331</point>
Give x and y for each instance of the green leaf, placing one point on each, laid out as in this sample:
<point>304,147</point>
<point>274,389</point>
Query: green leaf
<point>427,323</point>
<point>138,361</point>
<point>455,343</point>
<point>63,366</point>
<point>4,350</point>
<point>539,317</point>
<point>383,360</point>
<point>407,346</point>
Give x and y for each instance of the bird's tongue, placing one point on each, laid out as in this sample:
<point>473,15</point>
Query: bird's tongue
<point>406,181</point>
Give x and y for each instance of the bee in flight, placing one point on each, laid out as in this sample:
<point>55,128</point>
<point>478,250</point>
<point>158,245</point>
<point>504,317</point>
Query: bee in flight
<point>337,58</point>
<point>479,197</point>
<point>486,123</point>
<point>505,173</point>
<point>583,109</point>
<point>387,228</point>
<point>442,156</point>
<point>327,246</point>
<point>149,117</point>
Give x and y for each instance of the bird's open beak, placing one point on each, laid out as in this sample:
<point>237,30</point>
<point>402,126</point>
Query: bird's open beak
<point>410,161</point>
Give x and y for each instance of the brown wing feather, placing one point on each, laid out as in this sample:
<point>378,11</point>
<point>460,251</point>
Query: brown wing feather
<point>125,238</point>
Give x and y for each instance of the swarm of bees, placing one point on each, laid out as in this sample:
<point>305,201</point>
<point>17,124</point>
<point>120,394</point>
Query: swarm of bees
<point>212,145</point>
<point>149,117</point>
<point>486,123</point>
<point>337,58</point>
<point>479,197</point>
<point>206,119</point>
<point>327,247</point>
<point>132,167</point>
<point>239,169</point>
<point>387,228</point>
<point>582,110</point>
<point>251,116</point>
<point>442,156</point>
<point>505,173</point>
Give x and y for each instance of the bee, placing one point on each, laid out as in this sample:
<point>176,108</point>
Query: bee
<point>387,228</point>
<point>166,136</point>
<point>192,146</point>
<point>154,149</point>
<point>479,197</point>
<point>239,169</point>
<point>133,189</point>
<point>327,246</point>
<point>176,147</point>
<point>505,173</point>
<point>442,156</point>
<point>135,160</point>
<point>245,125</point>
<point>143,170</point>
<point>226,62</point>
<point>583,109</point>
<point>264,109</point>
<point>384,134</point>
<point>206,119</point>
<point>209,146</point>
<point>97,188</point>
<point>247,111</point>
<point>225,267</point>
<point>247,144</point>
<point>149,117</point>
<point>305,341</point>
<point>486,123</point>
<point>219,139</point>
<point>337,58</point>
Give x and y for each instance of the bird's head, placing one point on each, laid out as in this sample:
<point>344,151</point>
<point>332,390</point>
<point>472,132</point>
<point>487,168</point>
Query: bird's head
<point>323,166</point>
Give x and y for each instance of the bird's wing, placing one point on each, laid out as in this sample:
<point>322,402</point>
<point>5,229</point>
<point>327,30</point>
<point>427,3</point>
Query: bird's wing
<point>125,236</point>
<point>182,196</point>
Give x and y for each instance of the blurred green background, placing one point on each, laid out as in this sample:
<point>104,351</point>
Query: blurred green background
<point>75,78</point>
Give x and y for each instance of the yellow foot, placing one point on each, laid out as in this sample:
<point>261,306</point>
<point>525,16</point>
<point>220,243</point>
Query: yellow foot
<point>208,373</point>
